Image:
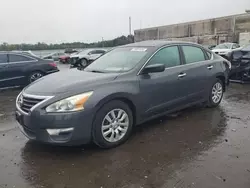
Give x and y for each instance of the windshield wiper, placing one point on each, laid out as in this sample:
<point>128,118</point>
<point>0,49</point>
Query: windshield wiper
<point>96,71</point>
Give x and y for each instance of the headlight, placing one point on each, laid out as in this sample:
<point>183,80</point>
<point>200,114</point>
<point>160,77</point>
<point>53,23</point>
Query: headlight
<point>71,104</point>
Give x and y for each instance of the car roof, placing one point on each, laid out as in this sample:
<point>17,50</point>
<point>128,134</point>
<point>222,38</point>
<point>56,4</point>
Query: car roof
<point>24,53</point>
<point>156,43</point>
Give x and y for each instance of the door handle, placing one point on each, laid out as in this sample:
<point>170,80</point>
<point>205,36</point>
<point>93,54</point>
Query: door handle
<point>181,75</point>
<point>210,67</point>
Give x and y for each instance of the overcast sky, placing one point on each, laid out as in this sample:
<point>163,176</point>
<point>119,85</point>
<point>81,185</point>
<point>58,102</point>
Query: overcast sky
<point>56,21</point>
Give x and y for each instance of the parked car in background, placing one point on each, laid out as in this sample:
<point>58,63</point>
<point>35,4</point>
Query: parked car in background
<point>54,56</point>
<point>240,60</point>
<point>17,69</point>
<point>85,57</point>
<point>125,87</point>
<point>224,48</point>
<point>210,47</point>
<point>64,58</point>
<point>70,51</point>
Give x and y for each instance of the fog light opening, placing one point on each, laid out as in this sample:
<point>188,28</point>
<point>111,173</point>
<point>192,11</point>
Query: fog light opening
<point>57,132</point>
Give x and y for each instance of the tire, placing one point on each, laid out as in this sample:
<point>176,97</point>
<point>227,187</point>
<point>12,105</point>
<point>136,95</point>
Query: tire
<point>83,63</point>
<point>118,129</point>
<point>216,90</point>
<point>35,76</point>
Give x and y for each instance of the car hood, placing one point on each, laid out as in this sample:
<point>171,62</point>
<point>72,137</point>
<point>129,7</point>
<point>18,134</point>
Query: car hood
<point>69,80</point>
<point>221,50</point>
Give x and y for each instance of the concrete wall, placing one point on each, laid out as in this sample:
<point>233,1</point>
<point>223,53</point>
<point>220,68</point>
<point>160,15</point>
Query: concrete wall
<point>211,31</point>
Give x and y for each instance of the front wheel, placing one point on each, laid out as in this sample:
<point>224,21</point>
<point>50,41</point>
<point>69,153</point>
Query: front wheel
<point>112,125</point>
<point>83,63</point>
<point>216,94</point>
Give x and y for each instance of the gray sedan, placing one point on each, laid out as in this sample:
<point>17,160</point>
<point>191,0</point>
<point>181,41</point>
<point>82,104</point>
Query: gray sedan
<point>125,87</point>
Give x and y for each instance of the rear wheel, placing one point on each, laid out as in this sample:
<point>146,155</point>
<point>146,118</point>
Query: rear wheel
<point>216,94</point>
<point>112,125</point>
<point>35,76</point>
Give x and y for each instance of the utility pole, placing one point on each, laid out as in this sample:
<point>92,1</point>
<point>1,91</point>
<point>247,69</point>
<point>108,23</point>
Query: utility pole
<point>130,32</point>
<point>102,42</point>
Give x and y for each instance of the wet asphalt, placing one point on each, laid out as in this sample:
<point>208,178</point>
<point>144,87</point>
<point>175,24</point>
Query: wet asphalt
<point>197,147</point>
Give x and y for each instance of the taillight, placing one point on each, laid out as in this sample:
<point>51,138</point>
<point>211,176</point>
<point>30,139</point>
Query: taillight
<point>53,64</point>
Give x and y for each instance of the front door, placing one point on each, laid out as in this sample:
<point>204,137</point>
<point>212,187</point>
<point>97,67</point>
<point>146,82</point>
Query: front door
<point>4,73</point>
<point>166,90</point>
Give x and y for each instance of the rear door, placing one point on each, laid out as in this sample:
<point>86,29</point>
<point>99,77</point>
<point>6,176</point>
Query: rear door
<point>196,70</point>
<point>18,65</point>
<point>4,74</point>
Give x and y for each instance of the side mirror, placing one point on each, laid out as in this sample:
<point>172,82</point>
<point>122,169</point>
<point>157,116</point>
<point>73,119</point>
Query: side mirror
<point>153,68</point>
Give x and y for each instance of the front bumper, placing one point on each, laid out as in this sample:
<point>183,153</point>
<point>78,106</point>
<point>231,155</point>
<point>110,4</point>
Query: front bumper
<point>35,124</point>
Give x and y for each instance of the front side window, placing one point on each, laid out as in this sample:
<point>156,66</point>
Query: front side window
<point>193,54</point>
<point>3,58</point>
<point>18,58</point>
<point>168,56</point>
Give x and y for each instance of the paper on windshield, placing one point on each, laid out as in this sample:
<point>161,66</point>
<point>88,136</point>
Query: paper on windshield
<point>139,50</point>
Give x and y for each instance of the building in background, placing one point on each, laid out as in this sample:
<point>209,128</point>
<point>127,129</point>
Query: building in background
<point>207,32</point>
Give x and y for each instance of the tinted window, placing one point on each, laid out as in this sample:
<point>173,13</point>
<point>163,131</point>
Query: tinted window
<point>3,58</point>
<point>18,58</point>
<point>193,54</point>
<point>168,56</point>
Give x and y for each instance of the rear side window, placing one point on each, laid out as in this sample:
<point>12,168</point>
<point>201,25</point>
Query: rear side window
<point>168,56</point>
<point>193,54</point>
<point>3,58</point>
<point>18,58</point>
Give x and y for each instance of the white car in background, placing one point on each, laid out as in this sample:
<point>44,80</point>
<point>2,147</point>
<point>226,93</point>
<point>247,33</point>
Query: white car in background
<point>85,57</point>
<point>224,48</point>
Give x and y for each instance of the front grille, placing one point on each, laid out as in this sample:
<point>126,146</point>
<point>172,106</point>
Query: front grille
<point>26,103</point>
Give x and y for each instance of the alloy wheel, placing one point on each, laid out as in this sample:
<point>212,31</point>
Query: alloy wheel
<point>115,125</point>
<point>35,76</point>
<point>217,92</point>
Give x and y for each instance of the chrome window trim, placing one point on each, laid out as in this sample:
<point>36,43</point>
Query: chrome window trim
<point>6,79</point>
<point>46,98</point>
<point>11,87</point>
<point>139,72</point>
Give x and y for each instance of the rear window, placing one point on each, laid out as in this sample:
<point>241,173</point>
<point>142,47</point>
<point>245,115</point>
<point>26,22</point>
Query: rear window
<point>3,58</point>
<point>193,54</point>
<point>18,58</point>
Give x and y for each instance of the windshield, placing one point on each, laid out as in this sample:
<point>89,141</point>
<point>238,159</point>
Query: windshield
<point>118,60</point>
<point>85,52</point>
<point>224,46</point>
